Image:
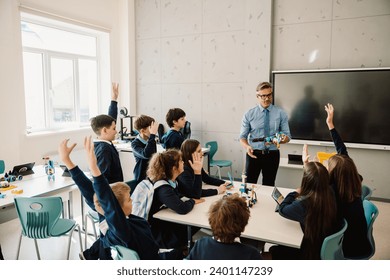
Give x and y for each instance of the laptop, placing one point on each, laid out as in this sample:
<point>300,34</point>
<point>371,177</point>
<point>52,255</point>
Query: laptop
<point>295,159</point>
<point>66,172</point>
<point>23,169</point>
<point>278,197</point>
<point>231,181</point>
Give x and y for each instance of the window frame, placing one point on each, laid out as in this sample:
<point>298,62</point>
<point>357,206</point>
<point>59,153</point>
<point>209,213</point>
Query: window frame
<point>101,37</point>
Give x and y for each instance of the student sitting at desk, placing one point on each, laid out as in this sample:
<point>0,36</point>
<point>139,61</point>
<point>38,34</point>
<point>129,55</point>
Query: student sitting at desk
<point>167,166</point>
<point>104,127</point>
<point>313,205</point>
<point>228,218</point>
<point>176,119</point>
<point>144,146</point>
<point>190,181</point>
<point>346,182</point>
<point>113,204</point>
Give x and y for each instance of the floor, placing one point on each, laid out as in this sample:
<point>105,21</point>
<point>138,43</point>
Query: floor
<point>55,248</point>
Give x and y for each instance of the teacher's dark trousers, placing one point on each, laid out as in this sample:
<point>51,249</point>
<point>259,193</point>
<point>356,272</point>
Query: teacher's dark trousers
<point>267,162</point>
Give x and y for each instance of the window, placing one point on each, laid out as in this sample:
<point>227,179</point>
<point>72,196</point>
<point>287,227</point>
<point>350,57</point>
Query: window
<point>62,75</point>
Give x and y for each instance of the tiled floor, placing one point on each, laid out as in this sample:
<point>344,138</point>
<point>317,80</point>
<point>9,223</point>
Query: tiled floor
<point>55,248</point>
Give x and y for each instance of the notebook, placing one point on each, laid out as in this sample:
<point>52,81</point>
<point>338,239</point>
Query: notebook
<point>295,159</point>
<point>23,169</point>
<point>66,172</point>
<point>278,197</point>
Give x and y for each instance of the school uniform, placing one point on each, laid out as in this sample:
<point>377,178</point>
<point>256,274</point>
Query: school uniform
<point>190,185</point>
<point>172,139</point>
<point>143,151</point>
<point>167,234</point>
<point>355,243</point>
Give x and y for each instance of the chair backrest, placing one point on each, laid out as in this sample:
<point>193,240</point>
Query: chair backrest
<point>38,215</point>
<point>332,246</point>
<point>132,184</point>
<point>371,212</point>
<point>2,166</point>
<point>186,130</point>
<point>213,146</point>
<point>123,253</point>
<point>366,192</point>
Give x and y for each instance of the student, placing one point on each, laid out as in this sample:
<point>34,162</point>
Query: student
<point>114,204</point>
<point>167,166</point>
<point>176,120</point>
<point>104,127</point>
<point>313,205</point>
<point>190,181</point>
<point>144,146</point>
<point>347,185</point>
<point>228,218</point>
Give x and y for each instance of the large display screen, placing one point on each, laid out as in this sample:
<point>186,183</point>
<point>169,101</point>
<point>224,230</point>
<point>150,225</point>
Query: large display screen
<point>361,98</point>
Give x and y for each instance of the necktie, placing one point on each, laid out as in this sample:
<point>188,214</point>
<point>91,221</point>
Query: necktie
<point>266,123</point>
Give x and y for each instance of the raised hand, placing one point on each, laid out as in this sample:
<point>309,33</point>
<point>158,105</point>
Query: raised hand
<point>91,157</point>
<point>196,163</point>
<point>305,154</point>
<point>330,112</point>
<point>115,91</point>
<point>64,152</point>
<point>153,128</point>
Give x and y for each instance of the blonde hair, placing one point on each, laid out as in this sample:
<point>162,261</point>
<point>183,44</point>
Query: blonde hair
<point>120,189</point>
<point>161,165</point>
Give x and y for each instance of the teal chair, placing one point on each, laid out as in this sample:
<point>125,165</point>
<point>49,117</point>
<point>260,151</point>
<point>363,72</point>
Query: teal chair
<point>2,166</point>
<point>332,246</point>
<point>122,253</point>
<point>366,192</point>
<point>40,219</point>
<point>213,146</point>
<point>371,212</point>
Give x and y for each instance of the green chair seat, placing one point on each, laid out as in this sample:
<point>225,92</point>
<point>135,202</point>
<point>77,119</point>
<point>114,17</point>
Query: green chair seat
<point>218,163</point>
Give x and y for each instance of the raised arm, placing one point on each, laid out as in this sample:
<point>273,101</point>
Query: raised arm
<point>338,142</point>
<point>78,176</point>
<point>113,108</point>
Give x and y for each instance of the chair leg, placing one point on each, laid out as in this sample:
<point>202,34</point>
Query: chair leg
<point>219,172</point>
<point>20,243</point>
<point>70,239</point>
<point>86,231</point>
<point>80,239</point>
<point>36,249</point>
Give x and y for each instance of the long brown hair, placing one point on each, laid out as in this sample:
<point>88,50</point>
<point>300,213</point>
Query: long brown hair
<point>188,147</point>
<point>343,173</point>
<point>161,165</point>
<point>228,218</point>
<point>321,210</point>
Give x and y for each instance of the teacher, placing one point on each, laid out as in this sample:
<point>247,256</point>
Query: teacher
<point>260,122</point>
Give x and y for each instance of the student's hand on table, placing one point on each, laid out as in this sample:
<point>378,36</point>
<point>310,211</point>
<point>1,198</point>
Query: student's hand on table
<point>249,151</point>
<point>200,200</point>
<point>305,154</point>
<point>64,152</point>
<point>91,157</point>
<point>153,128</point>
<point>115,91</point>
<point>330,112</point>
<point>222,188</point>
<point>196,163</point>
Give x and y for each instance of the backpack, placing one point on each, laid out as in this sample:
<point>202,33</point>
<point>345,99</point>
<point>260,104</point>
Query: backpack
<point>143,197</point>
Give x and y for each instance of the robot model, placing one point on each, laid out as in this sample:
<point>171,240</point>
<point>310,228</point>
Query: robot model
<point>274,139</point>
<point>49,168</point>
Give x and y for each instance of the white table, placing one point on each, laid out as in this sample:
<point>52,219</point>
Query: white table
<point>37,184</point>
<point>264,224</point>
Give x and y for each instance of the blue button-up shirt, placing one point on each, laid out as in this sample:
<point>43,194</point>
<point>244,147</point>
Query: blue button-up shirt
<point>252,125</point>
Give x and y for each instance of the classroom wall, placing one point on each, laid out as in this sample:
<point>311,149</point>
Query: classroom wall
<point>207,56</point>
<point>113,15</point>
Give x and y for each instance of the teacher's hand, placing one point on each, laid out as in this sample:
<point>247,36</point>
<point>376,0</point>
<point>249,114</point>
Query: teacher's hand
<point>249,151</point>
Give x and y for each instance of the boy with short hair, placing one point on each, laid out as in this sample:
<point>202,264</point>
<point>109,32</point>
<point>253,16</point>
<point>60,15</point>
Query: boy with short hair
<point>176,119</point>
<point>144,146</point>
<point>104,127</point>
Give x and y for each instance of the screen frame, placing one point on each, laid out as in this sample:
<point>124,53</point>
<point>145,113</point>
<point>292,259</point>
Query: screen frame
<point>329,143</point>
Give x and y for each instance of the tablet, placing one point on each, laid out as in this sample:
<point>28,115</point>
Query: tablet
<point>66,172</point>
<point>277,196</point>
<point>23,169</point>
